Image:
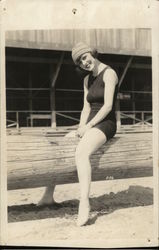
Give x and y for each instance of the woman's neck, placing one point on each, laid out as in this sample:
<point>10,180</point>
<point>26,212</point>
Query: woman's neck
<point>98,67</point>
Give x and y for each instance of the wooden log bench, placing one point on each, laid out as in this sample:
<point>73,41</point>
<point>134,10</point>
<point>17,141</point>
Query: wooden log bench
<point>36,161</point>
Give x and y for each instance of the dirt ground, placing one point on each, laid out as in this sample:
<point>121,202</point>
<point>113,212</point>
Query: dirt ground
<point>121,214</point>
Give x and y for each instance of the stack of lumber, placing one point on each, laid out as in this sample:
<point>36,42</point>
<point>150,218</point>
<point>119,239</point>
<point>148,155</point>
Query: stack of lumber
<point>63,130</point>
<point>38,160</point>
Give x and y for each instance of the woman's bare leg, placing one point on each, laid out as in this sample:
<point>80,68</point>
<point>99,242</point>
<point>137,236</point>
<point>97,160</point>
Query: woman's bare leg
<point>91,141</point>
<point>47,198</point>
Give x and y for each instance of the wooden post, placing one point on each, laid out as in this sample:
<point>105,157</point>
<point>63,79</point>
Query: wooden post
<point>30,92</point>
<point>54,76</point>
<point>53,108</point>
<point>119,84</point>
<point>52,100</point>
<point>118,114</point>
<point>3,168</point>
<point>133,99</point>
<point>142,117</point>
<point>31,121</point>
<point>17,119</point>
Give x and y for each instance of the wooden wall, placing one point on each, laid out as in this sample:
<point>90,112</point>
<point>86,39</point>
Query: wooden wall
<point>113,41</point>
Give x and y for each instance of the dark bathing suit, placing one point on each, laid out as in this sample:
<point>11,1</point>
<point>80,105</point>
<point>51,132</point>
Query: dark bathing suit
<point>95,97</point>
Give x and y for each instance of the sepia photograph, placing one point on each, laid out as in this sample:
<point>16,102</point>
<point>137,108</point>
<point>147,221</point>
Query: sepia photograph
<point>79,124</point>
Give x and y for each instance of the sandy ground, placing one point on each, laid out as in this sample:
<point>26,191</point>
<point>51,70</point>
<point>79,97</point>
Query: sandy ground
<point>121,212</point>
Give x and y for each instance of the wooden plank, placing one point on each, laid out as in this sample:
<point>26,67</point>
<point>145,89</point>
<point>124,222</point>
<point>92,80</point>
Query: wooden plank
<point>48,139</point>
<point>143,39</point>
<point>44,158</point>
<point>37,161</point>
<point>115,41</point>
<point>51,132</point>
<point>37,177</point>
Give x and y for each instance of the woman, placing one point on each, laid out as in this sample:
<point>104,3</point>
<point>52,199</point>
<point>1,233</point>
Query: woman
<point>97,123</point>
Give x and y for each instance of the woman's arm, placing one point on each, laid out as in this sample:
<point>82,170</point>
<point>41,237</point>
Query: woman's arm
<point>86,106</point>
<point>110,79</point>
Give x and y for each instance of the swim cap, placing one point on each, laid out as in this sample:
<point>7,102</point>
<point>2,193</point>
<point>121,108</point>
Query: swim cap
<point>78,50</point>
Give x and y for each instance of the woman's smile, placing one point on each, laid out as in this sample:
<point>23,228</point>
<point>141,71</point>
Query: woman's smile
<point>86,62</point>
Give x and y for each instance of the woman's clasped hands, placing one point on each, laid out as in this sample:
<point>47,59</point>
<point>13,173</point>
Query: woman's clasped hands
<point>83,129</point>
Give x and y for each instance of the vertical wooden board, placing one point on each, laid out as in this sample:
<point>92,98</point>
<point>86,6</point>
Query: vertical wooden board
<point>32,35</point>
<point>127,39</point>
<point>24,36</point>
<point>92,39</point>
<point>56,37</point>
<point>107,39</point>
<point>116,36</point>
<point>71,35</point>
<point>66,39</point>
<point>143,39</point>
<point>80,35</point>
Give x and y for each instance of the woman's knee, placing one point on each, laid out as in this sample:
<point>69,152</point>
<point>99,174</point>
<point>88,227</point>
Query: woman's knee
<point>82,153</point>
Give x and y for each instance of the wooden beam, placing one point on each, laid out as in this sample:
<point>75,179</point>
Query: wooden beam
<point>125,71</point>
<point>27,89</point>
<point>69,61</point>
<point>35,60</point>
<point>51,46</point>
<point>35,161</point>
<point>57,70</point>
<point>68,117</point>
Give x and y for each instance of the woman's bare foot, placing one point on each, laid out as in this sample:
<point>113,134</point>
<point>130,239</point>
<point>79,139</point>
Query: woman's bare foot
<point>46,201</point>
<point>47,198</point>
<point>83,212</point>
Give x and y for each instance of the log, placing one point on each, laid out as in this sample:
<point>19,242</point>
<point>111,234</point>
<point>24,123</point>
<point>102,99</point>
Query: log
<point>36,161</point>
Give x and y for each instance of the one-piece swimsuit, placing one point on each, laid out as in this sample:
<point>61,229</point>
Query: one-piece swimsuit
<point>95,96</point>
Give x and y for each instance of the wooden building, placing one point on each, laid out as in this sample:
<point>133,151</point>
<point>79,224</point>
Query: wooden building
<point>44,89</point>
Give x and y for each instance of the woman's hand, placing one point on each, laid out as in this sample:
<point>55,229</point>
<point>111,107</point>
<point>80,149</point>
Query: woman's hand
<point>83,129</point>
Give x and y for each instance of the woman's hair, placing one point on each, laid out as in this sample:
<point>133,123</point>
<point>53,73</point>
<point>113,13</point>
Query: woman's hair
<point>94,53</point>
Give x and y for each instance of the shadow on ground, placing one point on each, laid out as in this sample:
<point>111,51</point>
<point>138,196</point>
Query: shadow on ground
<point>105,204</point>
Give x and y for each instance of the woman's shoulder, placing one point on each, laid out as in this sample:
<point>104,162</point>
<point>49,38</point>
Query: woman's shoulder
<point>110,75</point>
<point>86,79</point>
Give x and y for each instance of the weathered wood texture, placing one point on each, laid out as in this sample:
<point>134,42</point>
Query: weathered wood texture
<point>116,41</point>
<point>35,161</point>
<point>63,130</point>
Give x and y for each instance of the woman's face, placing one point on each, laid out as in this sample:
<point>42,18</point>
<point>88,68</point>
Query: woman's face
<point>87,61</point>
